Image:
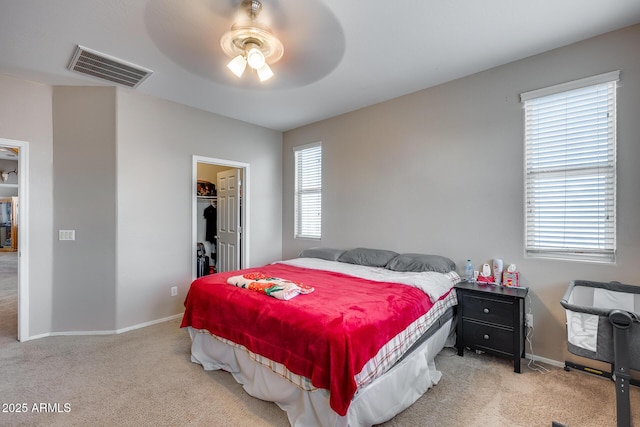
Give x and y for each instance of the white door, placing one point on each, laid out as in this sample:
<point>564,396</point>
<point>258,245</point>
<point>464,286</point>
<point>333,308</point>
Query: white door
<point>228,220</point>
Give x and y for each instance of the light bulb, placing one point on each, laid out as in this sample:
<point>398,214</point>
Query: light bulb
<point>264,73</point>
<point>237,65</point>
<point>255,58</point>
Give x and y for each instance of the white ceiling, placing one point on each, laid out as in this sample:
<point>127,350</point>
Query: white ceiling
<point>340,55</point>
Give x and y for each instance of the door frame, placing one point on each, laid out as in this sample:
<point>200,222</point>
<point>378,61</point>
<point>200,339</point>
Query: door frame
<point>244,251</point>
<point>23,234</point>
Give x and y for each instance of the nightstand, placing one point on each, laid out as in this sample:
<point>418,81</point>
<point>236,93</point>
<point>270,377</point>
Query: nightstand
<point>491,319</point>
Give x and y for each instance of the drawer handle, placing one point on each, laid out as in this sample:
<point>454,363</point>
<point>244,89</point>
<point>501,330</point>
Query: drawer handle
<point>486,311</point>
<point>486,337</point>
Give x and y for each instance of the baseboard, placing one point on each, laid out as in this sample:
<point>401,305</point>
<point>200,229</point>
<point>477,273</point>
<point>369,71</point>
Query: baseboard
<point>109,332</point>
<point>544,360</point>
<point>153,322</point>
<point>36,337</point>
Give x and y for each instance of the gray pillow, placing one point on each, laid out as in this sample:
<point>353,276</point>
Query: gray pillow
<point>322,253</point>
<point>421,262</point>
<point>369,257</point>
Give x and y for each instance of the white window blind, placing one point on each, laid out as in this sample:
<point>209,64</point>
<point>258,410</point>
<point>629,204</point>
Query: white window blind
<point>570,168</point>
<point>308,191</point>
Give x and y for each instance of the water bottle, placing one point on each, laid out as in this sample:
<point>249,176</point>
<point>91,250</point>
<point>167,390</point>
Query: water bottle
<point>468,271</point>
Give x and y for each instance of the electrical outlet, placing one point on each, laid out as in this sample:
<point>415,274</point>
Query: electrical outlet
<point>528,320</point>
<point>174,291</point>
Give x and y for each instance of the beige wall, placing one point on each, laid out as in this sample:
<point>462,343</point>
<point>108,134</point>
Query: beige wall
<point>441,171</point>
<point>26,115</point>
<point>84,194</point>
<point>156,142</point>
<point>122,167</point>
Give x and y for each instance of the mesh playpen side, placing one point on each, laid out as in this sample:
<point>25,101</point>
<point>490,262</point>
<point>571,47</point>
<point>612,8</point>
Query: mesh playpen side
<point>603,324</point>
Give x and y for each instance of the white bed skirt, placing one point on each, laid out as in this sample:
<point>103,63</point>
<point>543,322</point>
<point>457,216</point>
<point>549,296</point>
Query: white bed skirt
<point>375,403</point>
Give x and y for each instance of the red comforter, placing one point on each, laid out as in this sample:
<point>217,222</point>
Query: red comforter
<point>326,336</point>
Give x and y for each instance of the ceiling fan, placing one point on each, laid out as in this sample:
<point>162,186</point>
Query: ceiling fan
<point>250,42</point>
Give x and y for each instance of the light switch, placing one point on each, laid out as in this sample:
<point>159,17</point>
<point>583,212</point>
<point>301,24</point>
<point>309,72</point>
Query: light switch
<point>66,234</point>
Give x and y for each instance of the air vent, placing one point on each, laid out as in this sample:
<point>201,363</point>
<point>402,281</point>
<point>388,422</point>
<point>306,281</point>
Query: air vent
<point>109,68</point>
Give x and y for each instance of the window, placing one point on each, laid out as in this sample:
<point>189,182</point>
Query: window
<point>308,191</point>
<point>570,170</point>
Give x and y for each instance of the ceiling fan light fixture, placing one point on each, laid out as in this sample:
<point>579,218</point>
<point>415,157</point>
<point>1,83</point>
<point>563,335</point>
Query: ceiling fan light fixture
<point>264,73</point>
<point>253,42</point>
<point>255,57</point>
<point>237,65</point>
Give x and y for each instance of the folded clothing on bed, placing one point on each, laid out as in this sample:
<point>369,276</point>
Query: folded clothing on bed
<point>276,287</point>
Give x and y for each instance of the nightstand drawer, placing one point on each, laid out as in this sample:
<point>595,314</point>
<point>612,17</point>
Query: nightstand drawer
<point>488,310</point>
<point>481,336</point>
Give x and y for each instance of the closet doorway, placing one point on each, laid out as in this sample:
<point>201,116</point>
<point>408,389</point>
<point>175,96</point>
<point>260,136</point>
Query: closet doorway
<point>220,223</point>
<point>14,300</point>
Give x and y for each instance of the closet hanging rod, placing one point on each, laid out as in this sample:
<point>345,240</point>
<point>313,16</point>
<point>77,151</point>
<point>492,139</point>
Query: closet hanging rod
<point>208,197</point>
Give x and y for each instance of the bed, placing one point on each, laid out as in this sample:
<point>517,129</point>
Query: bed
<point>354,345</point>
